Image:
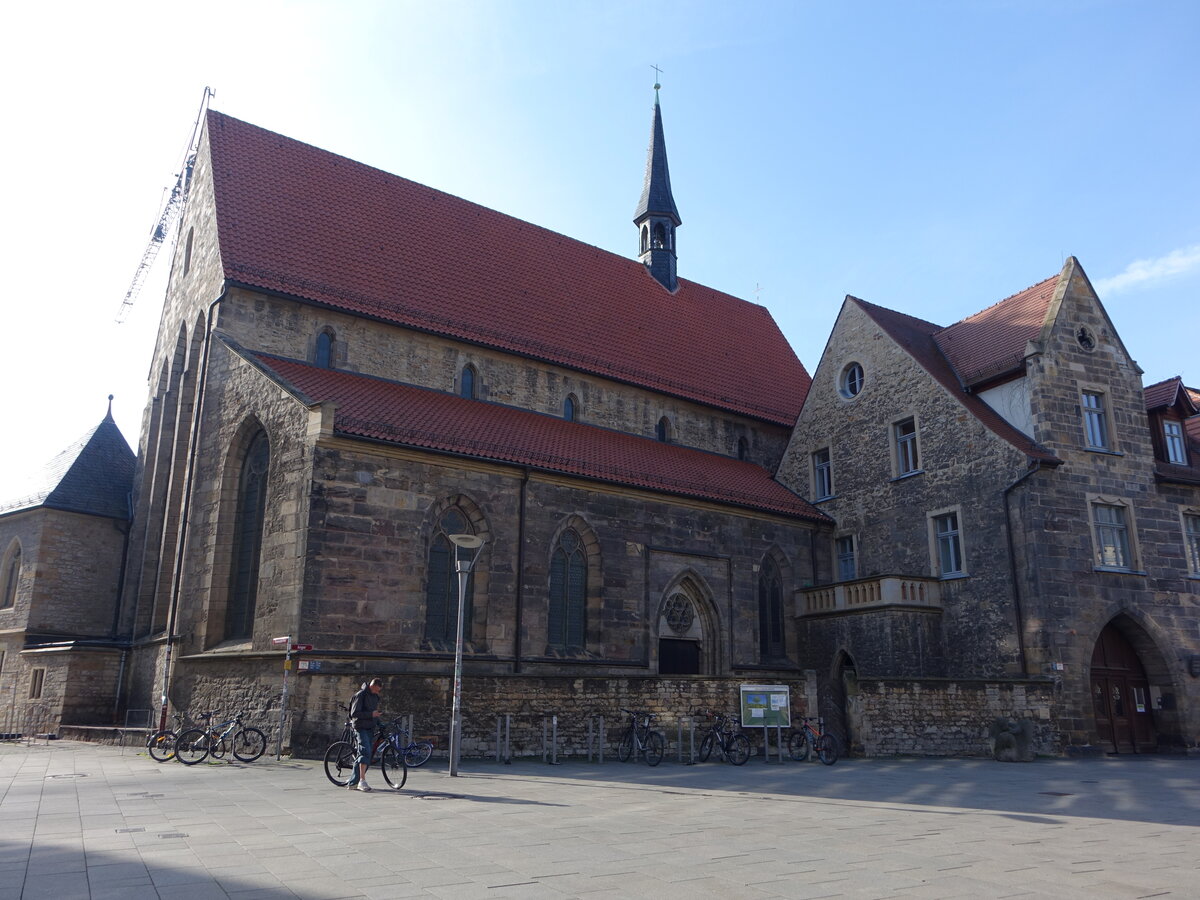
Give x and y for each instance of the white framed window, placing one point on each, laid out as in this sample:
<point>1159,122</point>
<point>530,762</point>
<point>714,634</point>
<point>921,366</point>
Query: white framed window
<point>822,474</point>
<point>37,680</point>
<point>905,447</point>
<point>850,382</point>
<point>946,549</point>
<point>1173,442</point>
<point>847,564</point>
<point>1095,420</point>
<point>1191,539</point>
<point>1114,533</point>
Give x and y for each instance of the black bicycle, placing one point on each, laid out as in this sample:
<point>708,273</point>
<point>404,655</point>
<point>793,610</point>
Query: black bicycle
<point>734,745</point>
<point>161,744</point>
<point>803,740</point>
<point>197,744</point>
<point>639,739</point>
<point>341,758</point>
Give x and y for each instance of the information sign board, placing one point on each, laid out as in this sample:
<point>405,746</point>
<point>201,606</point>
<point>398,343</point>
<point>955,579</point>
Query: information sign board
<point>765,705</point>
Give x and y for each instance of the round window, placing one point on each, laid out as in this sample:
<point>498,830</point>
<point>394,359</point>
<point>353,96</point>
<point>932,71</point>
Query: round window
<point>851,382</point>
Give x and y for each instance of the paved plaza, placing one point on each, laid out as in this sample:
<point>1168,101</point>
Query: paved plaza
<point>81,820</point>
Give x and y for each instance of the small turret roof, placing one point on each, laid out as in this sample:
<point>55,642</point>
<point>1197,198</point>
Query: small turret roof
<point>93,476</point>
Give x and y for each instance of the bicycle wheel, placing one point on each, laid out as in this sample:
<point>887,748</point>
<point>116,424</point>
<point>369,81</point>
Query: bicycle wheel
<point>417,754</point>
<point>625,748</point>
<point>393,767</point>
<point>655,748</point>
<point>249,744</point>
<point>706,747</point>
<point>340,760</point>
<point>798,746</point>
<point>192,746</point>
<point>737,750</point>
<point>161,746</point>
<point>827,749</point>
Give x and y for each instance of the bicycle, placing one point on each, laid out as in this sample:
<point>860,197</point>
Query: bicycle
<point>161,744</point>
<point>197,744</point>
<point>734,745</point>
<point>639,739</point>
<point>341,757</point>
<point>803,739</point>
<point>416,753</point>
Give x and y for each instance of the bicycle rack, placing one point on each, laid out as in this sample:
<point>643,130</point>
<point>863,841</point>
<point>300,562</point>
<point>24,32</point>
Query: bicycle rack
<point>691,740</point>
<point>550,751</point>
<point>504,739</point>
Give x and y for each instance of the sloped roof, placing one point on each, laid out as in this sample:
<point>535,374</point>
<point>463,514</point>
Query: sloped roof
<point>304,222</point>
<point>1169,392</point>
<point>919,339</point>
<point>657,198</point>
<point>992,342</point>
<point>93,476</point>
<point>373,408</point>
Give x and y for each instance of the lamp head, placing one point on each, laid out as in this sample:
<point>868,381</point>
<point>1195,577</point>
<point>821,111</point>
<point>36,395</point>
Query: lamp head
<point>466,541</point>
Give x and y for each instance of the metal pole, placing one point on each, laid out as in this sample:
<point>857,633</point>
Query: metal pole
<point>287,667</point>
<point>463,567</point>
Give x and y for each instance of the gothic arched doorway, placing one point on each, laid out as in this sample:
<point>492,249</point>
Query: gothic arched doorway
<point>1121,695</point>
<point>685,632</point>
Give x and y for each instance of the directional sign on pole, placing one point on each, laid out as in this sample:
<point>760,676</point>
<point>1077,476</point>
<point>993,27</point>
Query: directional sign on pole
<point>286,639</point>
<point>304,647</point>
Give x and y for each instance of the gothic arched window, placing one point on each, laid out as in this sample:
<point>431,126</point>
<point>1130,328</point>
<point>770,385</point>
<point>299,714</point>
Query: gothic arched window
<point>659,241</point>
<point>466,383</point>
<point>770,611</point>
<point>247,538</point>
<point>645,238</point>
<point>324,354</point>
<point>742,448</point>
<point>565,620</point>
<point>11,575</point>
<point>441,587</point>
<point>662,430</point>
<point>569,408</point>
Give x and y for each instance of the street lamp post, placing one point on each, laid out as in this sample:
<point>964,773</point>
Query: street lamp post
<point>463,563</point>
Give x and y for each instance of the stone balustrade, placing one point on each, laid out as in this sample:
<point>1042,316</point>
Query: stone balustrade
<point>869,593</point>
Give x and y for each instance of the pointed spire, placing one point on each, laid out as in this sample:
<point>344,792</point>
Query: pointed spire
<point>656,191</point>
<point>656,216</point>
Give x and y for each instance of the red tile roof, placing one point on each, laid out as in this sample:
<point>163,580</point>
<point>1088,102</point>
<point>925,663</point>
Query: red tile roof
<point>919,339</point>
<point>373,408</point>
<point>992,342</point>
<point>304,222</point>
<point>1168,393</point>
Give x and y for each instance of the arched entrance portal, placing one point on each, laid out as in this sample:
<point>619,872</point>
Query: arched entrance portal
<point>1121,695</point>
<point>685,632</point>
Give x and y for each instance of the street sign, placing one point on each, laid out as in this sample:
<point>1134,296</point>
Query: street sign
<point>281,640</point>
<point>301,646</point>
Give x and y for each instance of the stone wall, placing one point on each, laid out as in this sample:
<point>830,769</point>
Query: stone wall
<point>74,592</point>
<point>893,717</point>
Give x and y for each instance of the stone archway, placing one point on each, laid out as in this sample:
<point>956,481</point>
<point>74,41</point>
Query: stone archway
<point>686,630</point>
<point>1121,697</point>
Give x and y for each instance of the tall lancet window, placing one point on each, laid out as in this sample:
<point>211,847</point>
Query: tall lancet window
<point>770,611</point>
<point>441,586</point>
<point>568,593</point>
<point>247,539</point>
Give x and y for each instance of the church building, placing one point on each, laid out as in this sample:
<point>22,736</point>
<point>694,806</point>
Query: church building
<point>943,528</point>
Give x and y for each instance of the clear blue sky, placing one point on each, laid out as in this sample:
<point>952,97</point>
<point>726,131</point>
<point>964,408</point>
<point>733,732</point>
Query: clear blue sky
<point>932,157</point>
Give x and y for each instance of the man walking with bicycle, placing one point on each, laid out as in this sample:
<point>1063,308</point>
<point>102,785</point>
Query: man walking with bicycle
<point>364,713</point>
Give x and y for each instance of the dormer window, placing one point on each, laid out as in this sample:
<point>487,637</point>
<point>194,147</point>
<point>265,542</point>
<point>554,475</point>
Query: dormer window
<point>466,383</point>
<point>1173,442</point>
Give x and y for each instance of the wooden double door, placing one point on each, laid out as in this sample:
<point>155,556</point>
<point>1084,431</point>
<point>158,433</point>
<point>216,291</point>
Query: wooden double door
<point>1121,696</point>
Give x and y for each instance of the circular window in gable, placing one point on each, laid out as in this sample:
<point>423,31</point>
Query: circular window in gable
<point>850,384</point>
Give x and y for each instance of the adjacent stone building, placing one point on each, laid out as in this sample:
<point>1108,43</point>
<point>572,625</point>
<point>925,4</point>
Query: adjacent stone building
<point>62,547</point>
<point>1012,509</point>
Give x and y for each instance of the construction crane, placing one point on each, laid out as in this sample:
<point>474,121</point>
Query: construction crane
<point>176,197</point>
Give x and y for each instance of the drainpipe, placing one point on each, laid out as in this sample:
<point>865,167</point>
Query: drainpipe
<point>1034,467</point>
<point>116,622</point>
<point>181,544</point>
<point>520,572</point>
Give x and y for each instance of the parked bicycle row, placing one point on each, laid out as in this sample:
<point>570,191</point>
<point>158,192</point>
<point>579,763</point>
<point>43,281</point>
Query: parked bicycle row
<point>722,733</point>
<point>210,739</point>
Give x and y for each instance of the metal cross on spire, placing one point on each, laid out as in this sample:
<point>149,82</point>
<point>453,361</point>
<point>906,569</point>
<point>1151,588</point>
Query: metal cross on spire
<point>657,72</point>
